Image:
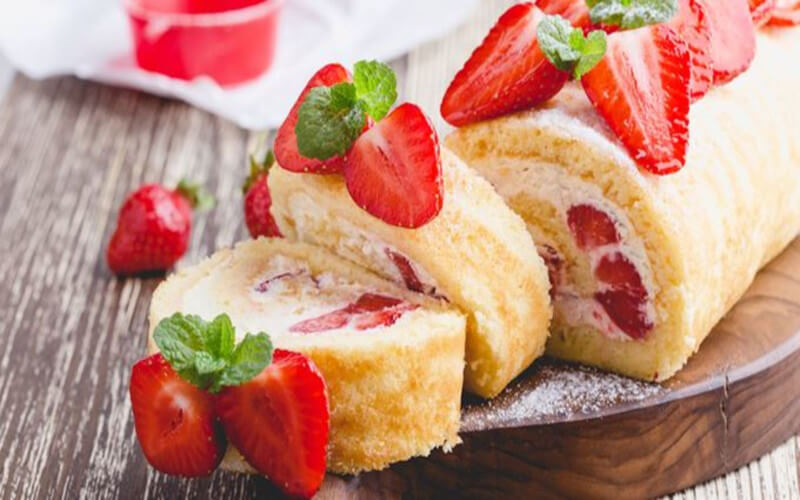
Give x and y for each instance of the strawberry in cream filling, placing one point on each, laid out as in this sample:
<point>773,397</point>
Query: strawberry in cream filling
<point>287,298</point>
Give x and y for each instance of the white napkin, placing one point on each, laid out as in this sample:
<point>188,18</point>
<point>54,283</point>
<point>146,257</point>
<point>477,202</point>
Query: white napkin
<point>91,39</point>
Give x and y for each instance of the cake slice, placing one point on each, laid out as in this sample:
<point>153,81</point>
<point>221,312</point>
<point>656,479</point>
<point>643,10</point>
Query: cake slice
<point>643,266</point>
<point>475,254</point>
<point>392,359</point>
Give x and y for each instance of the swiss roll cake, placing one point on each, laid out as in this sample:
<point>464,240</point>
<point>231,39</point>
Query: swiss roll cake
<point>643,266</point>
<point>392,359</point>
<point>475,254</point>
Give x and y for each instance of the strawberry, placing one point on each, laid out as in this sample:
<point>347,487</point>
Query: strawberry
<point>733,38</point>
<point>692,24</point>
<point>641,89</point>
<point>575,10</point>
<point>369,311</point>
<point>153,228</point>
<point>394,171</point>
<point>286,141</point>
<point>761,11</point>
<point>257,200</point>
<point>786,13</point>
<point>403,265</point>
<point>279,422</point>
<point>591,227</point>
<point>508,72</point>
<point>174,421</point>
<point>623,295</point>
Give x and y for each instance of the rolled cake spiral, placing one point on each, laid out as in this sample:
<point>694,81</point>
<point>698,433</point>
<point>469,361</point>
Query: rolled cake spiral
<point>475,253</point>
<point>392,359</point>
<point>642,266</point>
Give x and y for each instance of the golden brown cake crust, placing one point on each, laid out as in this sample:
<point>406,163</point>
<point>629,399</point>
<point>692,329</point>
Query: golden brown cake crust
<point>393,394</point>
<point>707,229</point>
<point>476,249</point>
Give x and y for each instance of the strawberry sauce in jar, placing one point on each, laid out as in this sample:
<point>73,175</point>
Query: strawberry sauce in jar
<point>231,41</point>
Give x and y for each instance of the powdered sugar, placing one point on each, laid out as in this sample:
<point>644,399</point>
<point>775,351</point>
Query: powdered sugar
<point>553,391</point>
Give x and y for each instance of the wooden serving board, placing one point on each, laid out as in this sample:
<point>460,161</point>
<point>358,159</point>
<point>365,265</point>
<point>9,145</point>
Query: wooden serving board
<point>563,430</point>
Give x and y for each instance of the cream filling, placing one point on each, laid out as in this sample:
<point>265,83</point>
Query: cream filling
<point>357,245</point>
<point>283,294</point>
<point>553,185</point>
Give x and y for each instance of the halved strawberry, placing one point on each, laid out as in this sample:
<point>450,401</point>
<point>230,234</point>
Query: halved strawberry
<point>641,89</point>
<point>733,38</point>
<point>760,11</point>
<point>286,141</point>
<point>279,422</point>
<point>786,13</point>
<point>591,227</point>
<point>174,420</point>
<point>394,171</point>
<point>506,73</point>
<point>693,25</point>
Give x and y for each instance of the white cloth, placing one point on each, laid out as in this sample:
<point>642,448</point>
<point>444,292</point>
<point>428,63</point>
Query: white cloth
<point>91,39</point>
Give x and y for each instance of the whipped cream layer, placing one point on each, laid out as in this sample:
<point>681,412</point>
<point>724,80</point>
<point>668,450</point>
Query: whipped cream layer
<point>362,247</point>
<point>284,294</point>
<point>551,184</point>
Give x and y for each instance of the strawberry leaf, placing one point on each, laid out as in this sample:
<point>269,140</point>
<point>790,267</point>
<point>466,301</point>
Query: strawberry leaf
<point>568,48</point>
<point>376,87</point>
<point>329,121</point>
<point>630,14</point>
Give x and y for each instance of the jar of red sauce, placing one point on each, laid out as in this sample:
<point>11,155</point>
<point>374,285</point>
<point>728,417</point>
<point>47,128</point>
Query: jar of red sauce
<point>230,41</point>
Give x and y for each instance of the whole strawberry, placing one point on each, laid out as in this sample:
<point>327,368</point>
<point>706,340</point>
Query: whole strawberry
<point>153,228</point>
<point>257,199</point>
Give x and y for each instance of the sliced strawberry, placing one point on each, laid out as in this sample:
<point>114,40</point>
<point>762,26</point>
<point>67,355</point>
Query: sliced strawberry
<point>628,311</point>
<point>394,171</point>
<point>555,267</point>
<point>641,89</point>
<point>286,141</point>
<point>279,422</point>
<point>508,72</point>
<point>693,25</point>
<point>618,272</point>
<point>733,38</point>
<point>786,13</point>
<point>624,296</point>
<point>591,227</point>
<point>760,11</point>
<point>575,11</point>
<point>403,265</point>
<point>174,421</point>
<point>368,311</point>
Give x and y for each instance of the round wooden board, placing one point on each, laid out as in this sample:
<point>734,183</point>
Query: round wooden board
<point>562,430</point>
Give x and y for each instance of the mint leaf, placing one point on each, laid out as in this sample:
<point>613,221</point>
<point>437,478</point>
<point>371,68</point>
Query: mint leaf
<point>205,354</point>
<point>567,47</point>
<point>206,364</point>
<point>329,121</point>
<point>251,356</point>
<point>630,14</point>
<point>220,337</point>
<point>376,87</point>
<point>178,338</point>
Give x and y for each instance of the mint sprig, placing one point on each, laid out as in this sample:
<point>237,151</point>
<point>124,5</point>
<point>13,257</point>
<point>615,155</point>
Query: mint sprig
<point>568,48</point>
<point>331,118</point>
<point>206,354</point>
<point>630,14</point>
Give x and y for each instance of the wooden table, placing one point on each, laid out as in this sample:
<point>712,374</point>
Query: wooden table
<point>69,153</point>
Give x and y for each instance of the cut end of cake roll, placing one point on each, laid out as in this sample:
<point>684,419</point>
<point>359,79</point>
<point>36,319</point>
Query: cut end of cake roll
<point>392,359</point>
<point>644,266</point>
<point>475,254</point>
